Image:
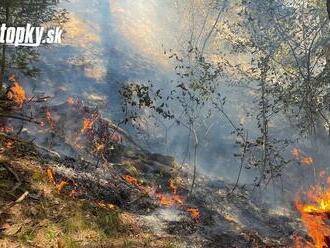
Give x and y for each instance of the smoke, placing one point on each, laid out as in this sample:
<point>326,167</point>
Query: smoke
<point>109,43</point>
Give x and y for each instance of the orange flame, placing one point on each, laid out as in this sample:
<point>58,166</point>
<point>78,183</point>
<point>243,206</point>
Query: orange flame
<point>87,125</point>
<point>59,187</point>
<point>305,160</point>
<point>170,200</point>
<point>315,215</point>
<point>16,92</point>
<point>50,175</point>
<point>131,180</point>
<point>194,212</point>
<point>135,182</point>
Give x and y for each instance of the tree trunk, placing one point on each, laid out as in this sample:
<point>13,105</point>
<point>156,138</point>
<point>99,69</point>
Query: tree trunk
<point>3,57</point>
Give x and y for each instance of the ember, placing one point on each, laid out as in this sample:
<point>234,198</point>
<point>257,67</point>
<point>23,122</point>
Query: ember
<point>194,212</point>
<point>6,129</point>
<point>87,125</point>
<point>307,160</point>
<point>61,185</point>
<point>131,180</point>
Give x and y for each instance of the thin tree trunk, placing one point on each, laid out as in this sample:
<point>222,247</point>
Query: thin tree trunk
<point>195,161</point>
<point>3,57</point>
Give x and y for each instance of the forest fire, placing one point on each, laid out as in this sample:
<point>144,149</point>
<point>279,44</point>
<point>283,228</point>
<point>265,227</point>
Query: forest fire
<point>16,92</point>
<point>315,214</point>
<point>61,185</point>
<point>50,175</point>
<point>87,125</point>
<point>134,181</point>
<point>166,200</point>
<point>305,160</point>
<point>173,199</point>
<point>131,180</point>
<point>170,200</point>
<point>194,212</point>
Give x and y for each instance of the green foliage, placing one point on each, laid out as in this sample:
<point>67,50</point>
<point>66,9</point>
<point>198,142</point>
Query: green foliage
<point>16,13</point>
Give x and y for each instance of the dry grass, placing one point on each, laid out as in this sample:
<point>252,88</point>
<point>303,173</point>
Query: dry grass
<point>50,219</point>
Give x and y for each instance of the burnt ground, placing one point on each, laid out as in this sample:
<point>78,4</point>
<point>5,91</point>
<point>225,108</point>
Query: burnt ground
<point>79,196</point>
<point>99,209</point>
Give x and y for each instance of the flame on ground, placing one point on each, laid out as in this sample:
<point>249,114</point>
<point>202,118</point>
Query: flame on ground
<point>134,181</point>
<point>194,212</point>
<point>170,200</point>
<point>315,214</point>
<point>60,186</point>
<point>87,125</point>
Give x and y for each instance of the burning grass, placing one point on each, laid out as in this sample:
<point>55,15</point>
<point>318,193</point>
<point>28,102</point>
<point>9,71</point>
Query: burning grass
<point>314,208</point>
<point>165,199</point>
<point>315,214</point>
<point>16,92</point>
<point>52,219</point>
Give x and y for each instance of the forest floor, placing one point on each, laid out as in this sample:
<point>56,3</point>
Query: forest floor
<point>50,215</point>
<point>49,218</point>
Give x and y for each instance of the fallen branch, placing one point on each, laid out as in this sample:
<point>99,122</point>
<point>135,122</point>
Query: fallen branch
<point>10,205</point>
